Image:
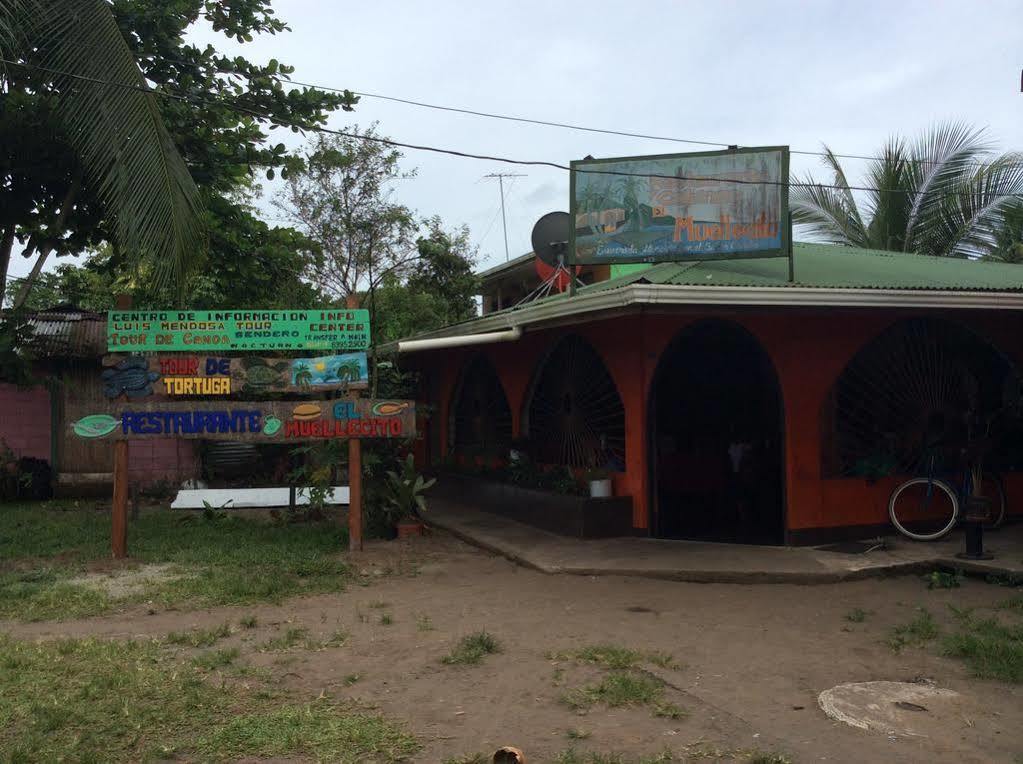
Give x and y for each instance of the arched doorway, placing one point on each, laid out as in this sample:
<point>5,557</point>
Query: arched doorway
<point>481,421</point>
<point>574,414</point>
<point>716,450</point>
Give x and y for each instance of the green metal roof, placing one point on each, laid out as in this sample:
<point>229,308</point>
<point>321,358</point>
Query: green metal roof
<point>836,267</point>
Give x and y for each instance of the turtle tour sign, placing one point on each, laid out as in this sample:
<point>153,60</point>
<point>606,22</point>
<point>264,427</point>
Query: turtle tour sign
<point>249,421</point>
<point>191,375</point>
<point>225,330</point>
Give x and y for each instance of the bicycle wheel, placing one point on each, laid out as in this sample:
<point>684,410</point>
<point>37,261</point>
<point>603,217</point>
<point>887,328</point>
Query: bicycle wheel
<point>993,488</point>
<point>923,509</point>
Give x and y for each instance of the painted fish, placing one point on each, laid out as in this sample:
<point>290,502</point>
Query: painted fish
<point>95,426</point>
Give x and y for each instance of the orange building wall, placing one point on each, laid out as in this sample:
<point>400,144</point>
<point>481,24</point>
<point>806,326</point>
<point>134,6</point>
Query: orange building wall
<point>808,347</point>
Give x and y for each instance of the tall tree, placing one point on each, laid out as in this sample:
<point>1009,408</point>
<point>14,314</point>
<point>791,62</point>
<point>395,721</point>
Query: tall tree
<point>341,196</point>
<point>944,194</point>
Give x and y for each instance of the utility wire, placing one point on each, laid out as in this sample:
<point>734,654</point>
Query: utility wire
<point>192,99</point>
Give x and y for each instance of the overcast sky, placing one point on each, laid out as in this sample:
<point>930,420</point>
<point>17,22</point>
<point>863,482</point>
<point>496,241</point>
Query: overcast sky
<point>789,73</point>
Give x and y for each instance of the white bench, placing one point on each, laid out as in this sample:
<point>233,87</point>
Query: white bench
<point>242,498</point>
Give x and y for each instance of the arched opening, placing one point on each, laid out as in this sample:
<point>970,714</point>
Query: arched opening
<point>919,396</point>
<point>574,415</point>
<point>481,421</point>
<point>716,450</point>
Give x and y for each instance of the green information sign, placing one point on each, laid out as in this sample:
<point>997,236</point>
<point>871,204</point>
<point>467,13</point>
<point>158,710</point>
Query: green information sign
<point>223,330</point>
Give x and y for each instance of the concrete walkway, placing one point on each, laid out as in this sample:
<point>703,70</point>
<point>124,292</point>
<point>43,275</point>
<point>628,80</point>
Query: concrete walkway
<point>716,563</point>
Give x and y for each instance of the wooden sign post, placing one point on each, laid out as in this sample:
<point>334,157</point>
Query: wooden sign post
<point>193,396</point>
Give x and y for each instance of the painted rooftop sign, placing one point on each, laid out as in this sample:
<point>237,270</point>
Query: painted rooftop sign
<point>704,206</point>
<point>223,330</point>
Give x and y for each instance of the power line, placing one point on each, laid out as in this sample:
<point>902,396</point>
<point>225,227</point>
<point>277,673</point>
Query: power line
<point>192,99</point>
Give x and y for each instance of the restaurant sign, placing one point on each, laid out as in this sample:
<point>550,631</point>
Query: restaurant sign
<point>223,330</point>
<point>681,207</point>
<point>252,421</point>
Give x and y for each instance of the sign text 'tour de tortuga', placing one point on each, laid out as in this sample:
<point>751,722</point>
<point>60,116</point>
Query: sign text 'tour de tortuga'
<point>222,330</point>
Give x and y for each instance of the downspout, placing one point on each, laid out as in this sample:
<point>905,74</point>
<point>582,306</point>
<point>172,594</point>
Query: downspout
<point>487,338</point>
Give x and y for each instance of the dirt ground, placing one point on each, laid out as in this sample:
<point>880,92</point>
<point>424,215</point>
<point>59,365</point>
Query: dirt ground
<point>755,658</point>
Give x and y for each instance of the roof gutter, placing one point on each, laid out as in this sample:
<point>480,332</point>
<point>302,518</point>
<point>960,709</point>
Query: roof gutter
<point>461,340</point>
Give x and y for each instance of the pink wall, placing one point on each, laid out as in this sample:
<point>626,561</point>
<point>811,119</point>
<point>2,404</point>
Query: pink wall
<point>25,420</point>
<point>162,459</point>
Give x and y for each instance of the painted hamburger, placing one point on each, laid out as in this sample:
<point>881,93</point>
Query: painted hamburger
<point>306,411</point>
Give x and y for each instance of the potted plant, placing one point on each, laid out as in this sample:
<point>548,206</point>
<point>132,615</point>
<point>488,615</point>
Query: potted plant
<point>518,449</point>
<point>599,480</point>
<point>404,496</point>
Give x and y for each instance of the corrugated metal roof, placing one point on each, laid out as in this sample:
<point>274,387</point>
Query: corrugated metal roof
<point>67,332</point>
<point>836,267</point>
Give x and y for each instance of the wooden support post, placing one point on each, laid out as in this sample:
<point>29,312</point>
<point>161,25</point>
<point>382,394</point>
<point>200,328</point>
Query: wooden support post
<point>354,475</point>
<point>119,511</point>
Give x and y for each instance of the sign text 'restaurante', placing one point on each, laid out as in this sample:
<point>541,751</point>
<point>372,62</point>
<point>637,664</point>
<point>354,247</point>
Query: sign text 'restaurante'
<point>238,330</point>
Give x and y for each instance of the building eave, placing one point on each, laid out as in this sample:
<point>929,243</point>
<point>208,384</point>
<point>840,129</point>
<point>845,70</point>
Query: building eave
<point>600,301</point>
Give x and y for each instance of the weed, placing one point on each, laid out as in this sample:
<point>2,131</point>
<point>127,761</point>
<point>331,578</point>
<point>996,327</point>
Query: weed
<point>351,679</point>
<point>291,637</point>
<point>472,649</point>
<point>423,623</point>
<point>664,660</point>
<point>856,615</point>
<point>619,688</point>
<point>941,579</point>
<point>337,638</point>
<point>669,711</point>
<point>199,637</point>
<point>760,757</point>
<point>469,758</point>
<point>379,605</point>
<point>386,619</point>
<point>249,622</point>
<point>216,658</point>
<point>576,734</point>
<point>1016,603</point>
<point>921,629</point>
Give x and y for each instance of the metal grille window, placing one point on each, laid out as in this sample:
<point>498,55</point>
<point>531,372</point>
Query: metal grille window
<point>575,414</point>
<point>923,388</point>
<point>481,421</point>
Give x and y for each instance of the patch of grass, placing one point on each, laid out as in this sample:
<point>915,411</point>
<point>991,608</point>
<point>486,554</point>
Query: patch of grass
<point>94,700</point>
<point>918,631</point>
<point>572,756</point>
<point>337,638</point>
<point>761,757</point>
<point>351,679</point>
<point>619,688</point>
<point>233,561</point>
<point>576,734</point>
<point>199,637</point>
<point>1015,603</point>
<point>943,579</point>
<point>316,730</point>
<point>423,623</point>
<point>856,615</point>
<point>991,649</point>
<point>615,657</point>
<point>669,711</point>
<point>217,658</point>
<point>386,619</point>
<point>291,637</point>
<point>249,622</point>
<point>472,649</point>
<point>469,758</point>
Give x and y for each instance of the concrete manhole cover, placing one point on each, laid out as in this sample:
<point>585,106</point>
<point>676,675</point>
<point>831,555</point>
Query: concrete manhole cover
<point>892,708</point>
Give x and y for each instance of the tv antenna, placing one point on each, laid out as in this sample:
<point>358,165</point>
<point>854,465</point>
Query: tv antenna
<point>504,223</point>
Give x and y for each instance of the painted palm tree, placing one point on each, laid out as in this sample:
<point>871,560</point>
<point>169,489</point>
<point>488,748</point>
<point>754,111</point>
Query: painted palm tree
<point>944,194</point>
<point>349,371</point>
<point>303,376</point>
<point>114,126</point>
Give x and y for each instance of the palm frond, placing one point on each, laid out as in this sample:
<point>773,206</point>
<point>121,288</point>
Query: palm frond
<point>940,158</point>
<point>888,201</point>
<point>12,15</point>
<point>967,222</point>
<point>830,214</point>
<point>118,132</point>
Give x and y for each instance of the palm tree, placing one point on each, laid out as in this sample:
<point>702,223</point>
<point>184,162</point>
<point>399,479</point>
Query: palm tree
<point>1008,244</point>
<point>113,124</point>
<point>944,194</point>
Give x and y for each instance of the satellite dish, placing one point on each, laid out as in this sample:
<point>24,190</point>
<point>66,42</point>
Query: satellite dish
<point>550,238</point>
